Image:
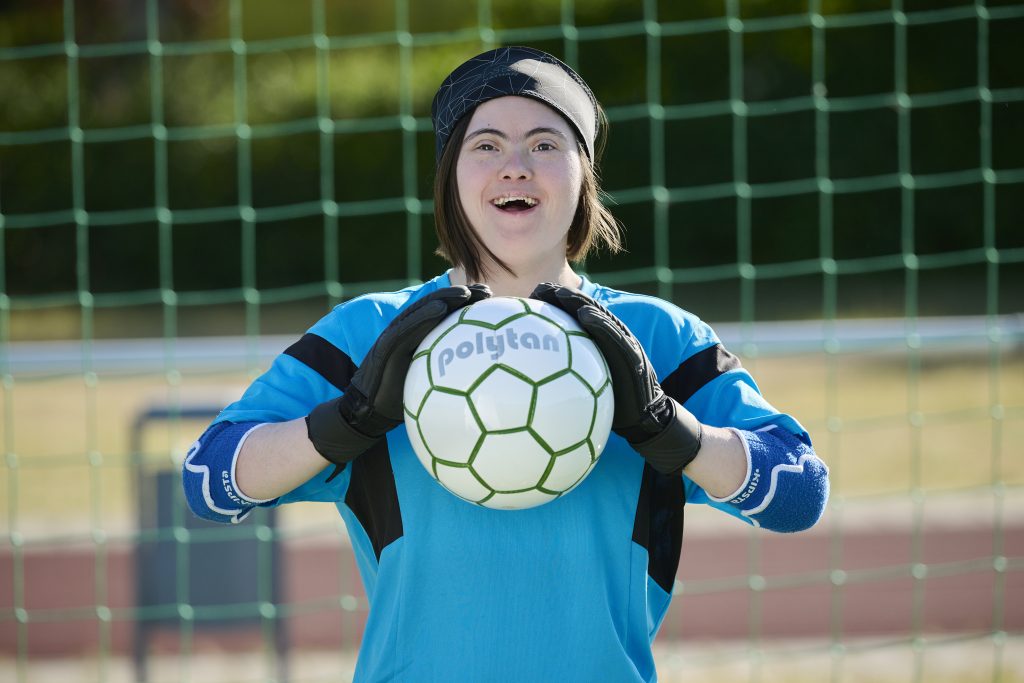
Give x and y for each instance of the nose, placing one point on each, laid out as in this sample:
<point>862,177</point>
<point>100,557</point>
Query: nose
<point>516,166</point>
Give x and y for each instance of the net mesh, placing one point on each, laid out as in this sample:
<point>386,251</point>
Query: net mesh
<point>212,177</point>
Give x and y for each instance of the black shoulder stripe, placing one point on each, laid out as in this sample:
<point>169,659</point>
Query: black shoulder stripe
<point>697,370</point>
<point>658,525</point>
<point>373,498</point>
<point>332,363</point>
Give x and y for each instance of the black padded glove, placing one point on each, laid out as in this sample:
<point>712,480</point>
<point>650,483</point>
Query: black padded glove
<point>665,433</point>
<point>344,427</point>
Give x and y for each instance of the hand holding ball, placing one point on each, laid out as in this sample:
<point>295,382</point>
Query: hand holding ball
<point>508,403</point>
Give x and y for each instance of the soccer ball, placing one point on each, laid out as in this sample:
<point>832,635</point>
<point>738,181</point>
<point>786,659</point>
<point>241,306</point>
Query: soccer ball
<point>508,403</point>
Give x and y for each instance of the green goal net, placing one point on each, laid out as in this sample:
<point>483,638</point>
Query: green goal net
<point>837,186</point>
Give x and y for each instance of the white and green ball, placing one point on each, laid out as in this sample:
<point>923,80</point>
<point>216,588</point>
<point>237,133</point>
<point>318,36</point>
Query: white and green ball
<point>508,403</point>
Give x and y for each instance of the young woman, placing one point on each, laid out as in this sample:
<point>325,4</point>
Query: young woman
<point>573,590</point>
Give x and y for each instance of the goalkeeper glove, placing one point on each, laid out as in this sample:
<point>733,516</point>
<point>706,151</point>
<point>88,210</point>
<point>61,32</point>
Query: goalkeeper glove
<point>343,428</point>
<point>665,433</point>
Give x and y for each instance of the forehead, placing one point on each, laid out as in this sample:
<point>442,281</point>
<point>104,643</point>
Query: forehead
<point>512,113</point>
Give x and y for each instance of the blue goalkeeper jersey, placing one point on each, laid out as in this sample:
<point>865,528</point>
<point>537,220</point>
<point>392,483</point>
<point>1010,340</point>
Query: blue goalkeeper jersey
<point>573,590</point>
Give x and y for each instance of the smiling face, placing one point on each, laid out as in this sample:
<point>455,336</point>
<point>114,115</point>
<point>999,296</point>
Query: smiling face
<point>519,176</point>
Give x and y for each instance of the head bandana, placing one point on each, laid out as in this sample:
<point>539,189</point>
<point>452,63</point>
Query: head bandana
<point>521,71</point>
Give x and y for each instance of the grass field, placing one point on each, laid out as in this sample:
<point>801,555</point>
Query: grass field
<point>887,424</point>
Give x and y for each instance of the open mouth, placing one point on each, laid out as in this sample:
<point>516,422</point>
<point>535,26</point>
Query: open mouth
<point>515,203</point>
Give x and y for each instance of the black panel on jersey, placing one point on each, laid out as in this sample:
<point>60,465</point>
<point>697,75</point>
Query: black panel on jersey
<point>373,498</point>
<point>697,370</point>
<point>328,360</point>
<point>658,525</point>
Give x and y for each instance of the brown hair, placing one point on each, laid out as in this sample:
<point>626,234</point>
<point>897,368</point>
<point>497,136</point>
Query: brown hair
<point>593,225</point>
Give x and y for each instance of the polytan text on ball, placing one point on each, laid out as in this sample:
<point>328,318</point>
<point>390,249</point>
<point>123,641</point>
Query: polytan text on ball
<point>495,344</point>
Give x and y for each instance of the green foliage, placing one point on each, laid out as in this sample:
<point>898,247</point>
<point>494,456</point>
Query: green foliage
<point>243,91</point>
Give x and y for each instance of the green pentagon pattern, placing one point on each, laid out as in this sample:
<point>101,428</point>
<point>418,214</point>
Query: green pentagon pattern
<point>548,450</point>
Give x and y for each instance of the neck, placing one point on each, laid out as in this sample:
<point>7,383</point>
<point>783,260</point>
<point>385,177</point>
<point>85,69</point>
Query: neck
<point>524,281</point>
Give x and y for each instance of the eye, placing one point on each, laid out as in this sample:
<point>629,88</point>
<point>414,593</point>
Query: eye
<point>485,147</point>
<point>544,147</point>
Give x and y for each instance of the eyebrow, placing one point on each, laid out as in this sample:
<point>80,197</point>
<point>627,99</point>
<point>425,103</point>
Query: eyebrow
<point>499,134</point>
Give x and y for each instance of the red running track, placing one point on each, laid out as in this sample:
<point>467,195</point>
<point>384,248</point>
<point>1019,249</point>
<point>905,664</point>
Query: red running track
<point>796,591</point>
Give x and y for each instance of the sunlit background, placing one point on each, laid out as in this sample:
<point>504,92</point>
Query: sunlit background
<point>836,186</point>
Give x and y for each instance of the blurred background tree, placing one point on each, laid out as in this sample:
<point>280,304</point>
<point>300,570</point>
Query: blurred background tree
<point>208,108</point>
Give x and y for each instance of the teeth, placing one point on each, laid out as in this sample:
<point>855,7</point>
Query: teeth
<point>501,201</point>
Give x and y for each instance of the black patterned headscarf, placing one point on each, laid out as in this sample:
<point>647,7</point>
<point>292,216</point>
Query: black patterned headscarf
<point>521,71</point>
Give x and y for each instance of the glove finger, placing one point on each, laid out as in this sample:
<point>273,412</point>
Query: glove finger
<point>546,292</point>
<point>410,333</point>
<point>543,288</point>
<point>601,320</point>
<point>393,350</point>
<point>478,293</point>
<point>453,297</point>
<point>609,338</point>
<point>630,370</point>
<point>633,379</point>
<point>404,333</point>
<point>566,298</point>
<point>417,321</point>
<point>434,306</point>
